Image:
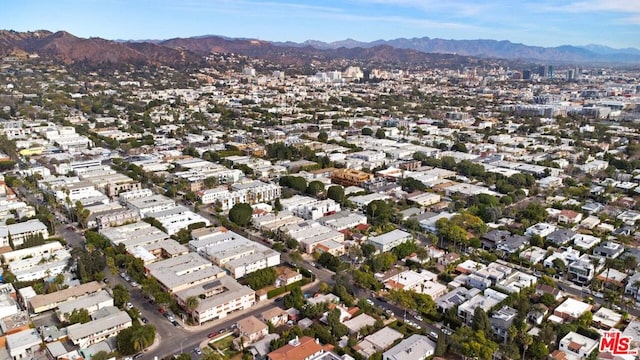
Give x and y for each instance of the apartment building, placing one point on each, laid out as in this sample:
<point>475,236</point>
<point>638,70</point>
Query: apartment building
<point>19,232</point>
<point>150,204</point>
<point>350,177</point>
<point>486,301</point>
<point>388,241</point>
<point>235,253</point>
<point>42,303</point>
<point>222,296</point>
<point>225,197</point>
<point>182,272</point>
<point>95,331</point>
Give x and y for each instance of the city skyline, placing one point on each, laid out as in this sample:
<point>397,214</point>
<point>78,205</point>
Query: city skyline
<point>613,23</point>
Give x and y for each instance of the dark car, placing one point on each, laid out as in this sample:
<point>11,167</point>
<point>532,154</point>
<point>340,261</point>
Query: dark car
<point>213,334</point>
<point>175,323</point>
<point>144,320</point>
<point>138,355</point>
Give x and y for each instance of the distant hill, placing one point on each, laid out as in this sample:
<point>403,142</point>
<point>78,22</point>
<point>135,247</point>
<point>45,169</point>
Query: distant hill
<point>421,52</point>
<point>494,49</point>
<point>287,54</point>
<point>68,48</point>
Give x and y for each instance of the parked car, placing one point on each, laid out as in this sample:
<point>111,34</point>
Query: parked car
<point>433,335</point>
<point>134,284</point>
<point>211,335</point>
<point>129,306</point>
<point>197,351</point>
<point>370,302</point>
<point>418,317</point>
<point>144,320</point>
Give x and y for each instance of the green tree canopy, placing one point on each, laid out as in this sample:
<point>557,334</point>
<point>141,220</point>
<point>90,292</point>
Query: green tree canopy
<point>240,214</point>
<point>336,193</point>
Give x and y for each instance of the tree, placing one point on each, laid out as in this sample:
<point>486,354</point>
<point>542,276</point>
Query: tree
<point>315,188</point>
<point>134,339</point>
<point>295,299</point>
<point>261,278</point>
<point>368,249</point>
<point>120,295</point>
<point>481,322</point>
<point>469,343</point>
<point>367,131</point>
<point>329,261</point>
<point>336,193</point>
<point>240,214</point>
<point>323,136</point>
<point>380,133</point>
<point>78,316</point>
<point>538,350</point>
<point>441,346</point>
<point>191,303</point>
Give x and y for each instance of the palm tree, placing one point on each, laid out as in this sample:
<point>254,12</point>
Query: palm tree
<point>138,340</point>
<point>191,304</point>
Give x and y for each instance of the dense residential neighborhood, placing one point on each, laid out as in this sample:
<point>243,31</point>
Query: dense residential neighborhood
<point>245,211</point>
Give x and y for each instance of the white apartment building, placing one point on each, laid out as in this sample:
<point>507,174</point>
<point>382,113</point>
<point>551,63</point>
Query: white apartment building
<point>91,302</point>
<point>134,194</point>
<point>386,242</point>
<point>250,192</point>
<point>182,272</point>
<point>19,232</point>
<point>40,264</point>
<point>235,253</point>
<point>150,204</point>
<point>222,296</point>
<point>84,335</point>
<point>310,208</point>
<point>343,220</point>
<point>136,234</point>
<point>311,234</point>
<point>177,218</point>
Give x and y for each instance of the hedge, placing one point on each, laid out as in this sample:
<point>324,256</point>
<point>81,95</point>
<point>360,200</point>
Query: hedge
<point>281,290</point>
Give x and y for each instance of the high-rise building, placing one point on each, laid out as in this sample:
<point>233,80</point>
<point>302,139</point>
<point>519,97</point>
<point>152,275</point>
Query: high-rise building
<point>526,74</point>
<point>542,71</point>
<point>550,71</point>
<point>571,75</point>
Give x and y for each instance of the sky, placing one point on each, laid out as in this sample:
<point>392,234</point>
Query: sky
<point>614,23</point>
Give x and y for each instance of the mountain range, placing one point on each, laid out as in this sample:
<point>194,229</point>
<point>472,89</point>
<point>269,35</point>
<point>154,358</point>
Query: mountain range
<point>494,49</point>
<point>65,47</point>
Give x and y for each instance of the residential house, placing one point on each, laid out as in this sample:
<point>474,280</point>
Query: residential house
<point>582,270</point>
<point>304,348</point>
<point>501,320</point>
<point>577,345</point>
<point>276,316</point>
<point>571,309</point>
<point>252,329</point>
<point>561,236</point>
<point>569,217</point>
<point>415,347</point>
<point>288,277</point>
<point>608,250</point>
<point>377,342</point>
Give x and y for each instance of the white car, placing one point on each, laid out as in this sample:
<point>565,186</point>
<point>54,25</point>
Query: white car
<point>129,305</point>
